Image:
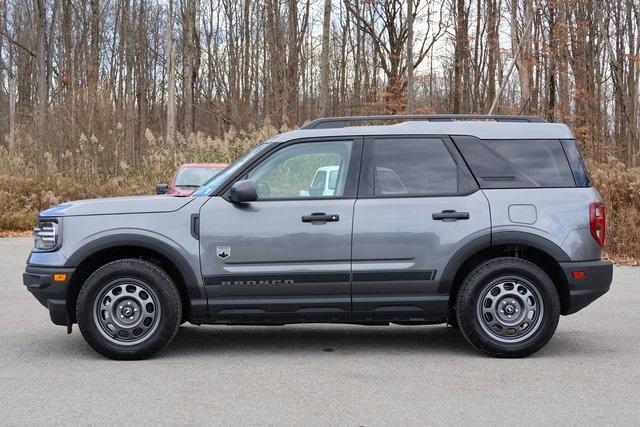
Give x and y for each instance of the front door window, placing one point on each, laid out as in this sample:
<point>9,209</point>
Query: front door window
<point>305,170</point>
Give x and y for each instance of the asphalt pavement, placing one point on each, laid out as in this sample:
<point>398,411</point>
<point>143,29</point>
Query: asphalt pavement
<point>319,374</point>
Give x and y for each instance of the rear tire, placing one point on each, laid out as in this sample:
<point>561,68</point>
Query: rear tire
<point>508,307</point>
<point>128,309</point>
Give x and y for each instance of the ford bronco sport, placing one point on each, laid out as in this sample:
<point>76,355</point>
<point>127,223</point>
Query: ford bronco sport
<point>487,223</point>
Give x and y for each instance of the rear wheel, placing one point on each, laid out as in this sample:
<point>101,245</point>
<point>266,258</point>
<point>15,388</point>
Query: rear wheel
<point>128,309</point>
<point>508,307</point>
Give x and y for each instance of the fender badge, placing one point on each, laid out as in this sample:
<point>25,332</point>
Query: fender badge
<point>223,252</point>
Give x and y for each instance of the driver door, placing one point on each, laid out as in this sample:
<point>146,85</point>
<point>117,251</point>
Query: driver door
<point>288,254</point>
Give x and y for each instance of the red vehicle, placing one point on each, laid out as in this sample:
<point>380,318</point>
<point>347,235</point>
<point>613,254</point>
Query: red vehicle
<point>188,177</point>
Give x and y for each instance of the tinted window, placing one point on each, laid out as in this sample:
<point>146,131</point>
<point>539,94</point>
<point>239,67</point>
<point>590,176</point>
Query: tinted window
<point>517,163</point>
<point>299,171</point>
<point>413,166</point>
<point>575,161</point>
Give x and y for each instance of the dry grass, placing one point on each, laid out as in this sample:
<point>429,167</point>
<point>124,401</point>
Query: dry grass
<point>30,181</point>
<point>620,189</point>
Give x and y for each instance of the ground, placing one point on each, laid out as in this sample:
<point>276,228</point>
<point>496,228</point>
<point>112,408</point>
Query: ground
<point>321,374</point>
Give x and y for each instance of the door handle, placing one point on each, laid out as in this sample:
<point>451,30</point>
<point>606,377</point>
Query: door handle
<point>449,215</point>
<point>320,217</point>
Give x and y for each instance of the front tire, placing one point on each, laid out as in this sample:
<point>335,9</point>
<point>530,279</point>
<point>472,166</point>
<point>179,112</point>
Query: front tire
<point>508,307</point>
<point>128,309</point>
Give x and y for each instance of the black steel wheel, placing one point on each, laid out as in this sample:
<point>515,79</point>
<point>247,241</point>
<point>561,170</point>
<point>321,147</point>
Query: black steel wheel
<point>508,307</point>
<point>128,309</point>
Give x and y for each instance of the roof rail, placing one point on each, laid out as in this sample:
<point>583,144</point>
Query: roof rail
<point>341,122</point>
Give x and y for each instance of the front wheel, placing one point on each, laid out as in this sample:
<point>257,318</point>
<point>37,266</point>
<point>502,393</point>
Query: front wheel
<point>128,309</point>
<point>508,307</point>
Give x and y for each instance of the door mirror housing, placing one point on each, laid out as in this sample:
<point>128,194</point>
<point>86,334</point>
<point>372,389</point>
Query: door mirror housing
<point>242,192</point>
<point>162,188</point>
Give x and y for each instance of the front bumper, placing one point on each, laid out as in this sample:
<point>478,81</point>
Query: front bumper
<point>596,281</point>
<point>52,294</point>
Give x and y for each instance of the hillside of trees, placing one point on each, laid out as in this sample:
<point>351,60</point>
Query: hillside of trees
<point>101,97</point>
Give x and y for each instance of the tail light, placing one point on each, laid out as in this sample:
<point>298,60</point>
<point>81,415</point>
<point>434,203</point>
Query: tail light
<point>598,222</point>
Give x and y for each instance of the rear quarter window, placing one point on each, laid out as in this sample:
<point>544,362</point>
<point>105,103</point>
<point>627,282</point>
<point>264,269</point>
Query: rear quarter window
<point>575,161</point>
<point>522,163</point>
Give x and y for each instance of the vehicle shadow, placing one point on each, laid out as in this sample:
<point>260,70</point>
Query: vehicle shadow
<point>308,339</point>
<point>346,340</point>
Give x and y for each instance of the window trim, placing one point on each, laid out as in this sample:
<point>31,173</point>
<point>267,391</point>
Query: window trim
<point>366,188</point>
<point>353,171</point>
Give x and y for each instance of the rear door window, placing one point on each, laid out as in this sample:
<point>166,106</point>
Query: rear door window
<point>414,166</point>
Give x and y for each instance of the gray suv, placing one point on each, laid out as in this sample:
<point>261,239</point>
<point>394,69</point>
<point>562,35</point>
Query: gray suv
<point>487,223</point>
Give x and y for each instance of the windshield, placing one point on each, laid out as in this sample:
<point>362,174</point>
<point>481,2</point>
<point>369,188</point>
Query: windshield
<point>216,181</point>
<point>193,176</point>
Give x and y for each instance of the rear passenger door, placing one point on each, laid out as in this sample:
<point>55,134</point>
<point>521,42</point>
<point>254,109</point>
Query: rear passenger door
<point>417,205</point>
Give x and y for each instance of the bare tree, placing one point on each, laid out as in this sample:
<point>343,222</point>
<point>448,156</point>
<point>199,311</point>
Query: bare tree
<point>41,66</point>
<point>387,30</point>
<point>324,84</point>
<point>410,89</point>
<point>171,79</point>
<point>190,61</point>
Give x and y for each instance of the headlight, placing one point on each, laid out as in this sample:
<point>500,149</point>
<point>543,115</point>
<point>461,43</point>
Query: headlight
<point>46,235</point>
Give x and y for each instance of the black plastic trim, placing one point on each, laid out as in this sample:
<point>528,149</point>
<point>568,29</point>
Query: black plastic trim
<point>196,292</point>
<point>52,295</point>
<point>496,238</point>
<point>341,122</point>
<point>597,281</point>
<point>499,238</point>
<point>394,276</point>
<point>459,258</point>
<point>195,226</point>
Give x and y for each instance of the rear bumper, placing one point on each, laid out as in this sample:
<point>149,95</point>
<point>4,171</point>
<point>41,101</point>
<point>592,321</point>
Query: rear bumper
<point>582,292</point>
<point>52,294</point>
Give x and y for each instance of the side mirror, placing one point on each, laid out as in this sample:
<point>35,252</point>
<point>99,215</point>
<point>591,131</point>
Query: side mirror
<point>162,188</point>
<point>242,192</point>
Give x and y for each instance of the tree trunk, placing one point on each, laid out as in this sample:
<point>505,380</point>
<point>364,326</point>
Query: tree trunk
<point>324,80</point>
<point>551,68</point>
<point>410,88</point>
<point>493,51</point>
<point>141,71</point>
<point>41,66</point>
<point>170,54</point>
<point>94,64</point>
<point>188,25</point>
<point>520,43</point>
<point>460,55</point>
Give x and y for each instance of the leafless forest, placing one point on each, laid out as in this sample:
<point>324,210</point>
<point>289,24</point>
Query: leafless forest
<point>115,92</point>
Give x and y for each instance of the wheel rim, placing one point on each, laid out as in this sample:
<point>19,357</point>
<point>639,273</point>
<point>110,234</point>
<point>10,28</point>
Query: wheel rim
<point>510,309</point>
<point>126,311</point>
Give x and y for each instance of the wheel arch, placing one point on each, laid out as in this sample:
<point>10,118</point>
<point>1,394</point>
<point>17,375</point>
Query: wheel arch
<point>110,248</point>
<point>542,252</point>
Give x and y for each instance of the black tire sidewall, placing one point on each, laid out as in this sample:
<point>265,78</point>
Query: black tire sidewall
<point>471,290</point>
<point>153,277</point>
